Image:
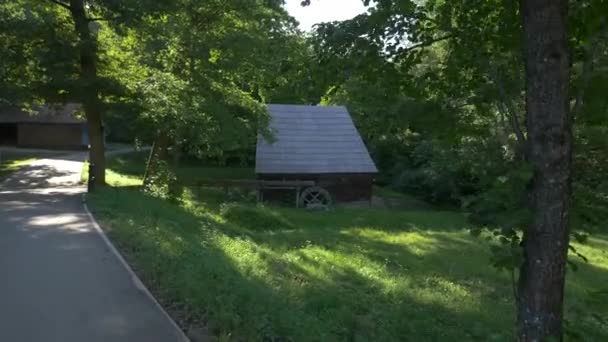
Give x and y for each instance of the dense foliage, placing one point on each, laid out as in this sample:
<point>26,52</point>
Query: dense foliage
<point>440,100</point>
<point>442,95</point>
<point>190,74</point>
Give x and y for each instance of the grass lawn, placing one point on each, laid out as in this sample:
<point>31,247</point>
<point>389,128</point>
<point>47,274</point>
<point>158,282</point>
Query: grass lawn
<point>11,161</point>
<point>400,199</point>
<point>133,164</point>
<point>264,273</point>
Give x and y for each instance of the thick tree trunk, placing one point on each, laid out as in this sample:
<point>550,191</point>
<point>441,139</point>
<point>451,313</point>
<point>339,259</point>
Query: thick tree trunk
<point>545,242</point>
<point>89,88</point>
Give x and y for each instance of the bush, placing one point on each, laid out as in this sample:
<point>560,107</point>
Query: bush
<point>254,218</point>
<point>436,171</point>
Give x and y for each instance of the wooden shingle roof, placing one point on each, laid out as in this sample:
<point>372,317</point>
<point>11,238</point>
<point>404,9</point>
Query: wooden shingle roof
<point>312,140</point>
<point>56,114</point>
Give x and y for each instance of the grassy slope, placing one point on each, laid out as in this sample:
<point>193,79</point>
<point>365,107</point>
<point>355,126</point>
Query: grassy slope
<point>349,274</point>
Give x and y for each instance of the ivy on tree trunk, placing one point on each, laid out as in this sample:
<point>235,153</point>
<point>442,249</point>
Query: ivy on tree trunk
<point>549,126</point>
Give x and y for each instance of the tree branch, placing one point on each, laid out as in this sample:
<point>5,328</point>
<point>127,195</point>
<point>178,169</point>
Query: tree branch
<point>103,19</point>
<point>62,4</point>
<point>426,43</point>
<point>508,107</point>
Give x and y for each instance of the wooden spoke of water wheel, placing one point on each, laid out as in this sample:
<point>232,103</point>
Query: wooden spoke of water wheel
<point>315,197</point>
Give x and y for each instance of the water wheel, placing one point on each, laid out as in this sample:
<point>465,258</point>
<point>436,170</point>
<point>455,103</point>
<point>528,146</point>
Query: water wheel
<point>315,197</point>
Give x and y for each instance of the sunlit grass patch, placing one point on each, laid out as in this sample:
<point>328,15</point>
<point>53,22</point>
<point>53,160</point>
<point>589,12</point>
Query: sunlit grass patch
<point>113,178</point>
<point>120,180</point>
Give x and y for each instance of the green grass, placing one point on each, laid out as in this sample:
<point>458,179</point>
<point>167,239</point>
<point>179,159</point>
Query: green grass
<point>388,192</point>
<point>399,199</point>
<point>133,164</point>
<point>11,162</point>
<point>113,178</point>
<point>255,273</point>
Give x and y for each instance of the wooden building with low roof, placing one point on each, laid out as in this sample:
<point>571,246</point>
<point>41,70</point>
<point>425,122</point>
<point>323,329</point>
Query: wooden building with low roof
<point>315,143</point>
<point>50,127</point>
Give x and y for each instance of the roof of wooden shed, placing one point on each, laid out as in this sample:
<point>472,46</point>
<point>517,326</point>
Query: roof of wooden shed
<point>56,114</point>
<point>312,140</point>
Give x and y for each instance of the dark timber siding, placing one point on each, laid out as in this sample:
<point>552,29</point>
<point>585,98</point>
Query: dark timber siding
<point>343,187</point>
<point>53,136</point>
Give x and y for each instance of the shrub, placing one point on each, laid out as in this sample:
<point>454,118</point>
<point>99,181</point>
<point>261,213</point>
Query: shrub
<point>438,172</point>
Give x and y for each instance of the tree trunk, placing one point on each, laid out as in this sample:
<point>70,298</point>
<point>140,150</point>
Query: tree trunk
<point>89,96</point>
<point>549,125</point>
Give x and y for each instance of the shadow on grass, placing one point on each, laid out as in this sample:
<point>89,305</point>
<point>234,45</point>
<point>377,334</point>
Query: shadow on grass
<point>335,277</point>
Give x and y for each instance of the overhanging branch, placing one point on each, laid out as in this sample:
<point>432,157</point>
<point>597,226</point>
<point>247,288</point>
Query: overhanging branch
<point>507,105</point>
<point>103,19</point>
<point>427,43</point>
<point>62,4</point>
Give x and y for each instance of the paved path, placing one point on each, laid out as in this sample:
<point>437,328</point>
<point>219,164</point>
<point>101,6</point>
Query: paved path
<point>58,279</point>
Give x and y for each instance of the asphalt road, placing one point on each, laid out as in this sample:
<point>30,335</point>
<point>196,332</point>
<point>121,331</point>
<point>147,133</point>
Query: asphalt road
<point>59,281</point>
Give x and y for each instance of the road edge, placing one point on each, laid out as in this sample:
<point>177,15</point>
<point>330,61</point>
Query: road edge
<point>136,281</point>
